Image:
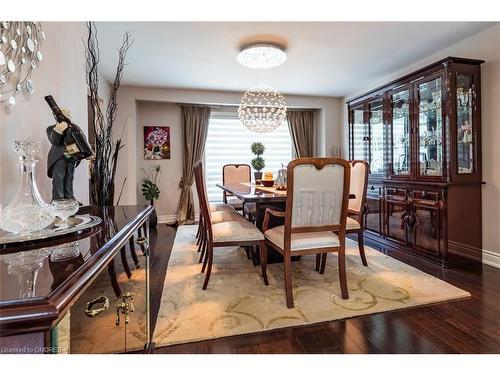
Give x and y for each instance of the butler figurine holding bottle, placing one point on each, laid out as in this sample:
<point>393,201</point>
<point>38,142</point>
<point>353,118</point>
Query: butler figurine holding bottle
<point>61,164</point>
<point>69,146</point>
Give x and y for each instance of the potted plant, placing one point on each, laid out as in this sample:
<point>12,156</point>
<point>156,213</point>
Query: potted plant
<point>258,162</point>
<point>151,191</point>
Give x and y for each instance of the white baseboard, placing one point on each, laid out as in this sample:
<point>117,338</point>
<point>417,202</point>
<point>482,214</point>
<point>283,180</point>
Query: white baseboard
<point>167,219</point>
<point>491,259</point>
<point>172,219</point>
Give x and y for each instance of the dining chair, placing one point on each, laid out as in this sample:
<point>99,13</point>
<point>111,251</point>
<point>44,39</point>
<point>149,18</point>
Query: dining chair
<point>235,231</point>
<point>234,174</point>
<point>356,210</point>
<point>219,212</point>
<point>316,207</point>
<point>213,207</point>
<point>355,219</point>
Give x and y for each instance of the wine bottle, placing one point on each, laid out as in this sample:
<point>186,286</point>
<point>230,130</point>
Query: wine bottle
<point>75,141</point>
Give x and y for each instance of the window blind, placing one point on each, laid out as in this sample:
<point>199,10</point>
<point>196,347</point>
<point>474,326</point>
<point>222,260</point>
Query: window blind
<point>228,141</point>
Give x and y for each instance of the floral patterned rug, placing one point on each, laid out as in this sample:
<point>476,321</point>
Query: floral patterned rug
<point>237,302</point>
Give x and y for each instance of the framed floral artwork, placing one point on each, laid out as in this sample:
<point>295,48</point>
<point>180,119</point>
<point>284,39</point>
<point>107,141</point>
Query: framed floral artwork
<point>156,142</point>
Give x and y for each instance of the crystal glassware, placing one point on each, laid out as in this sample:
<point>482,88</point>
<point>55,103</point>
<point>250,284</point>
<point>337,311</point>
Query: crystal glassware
<point>27,212</point>
<point>25,266</point>
<point>63,209</point>
<point>65,251</point>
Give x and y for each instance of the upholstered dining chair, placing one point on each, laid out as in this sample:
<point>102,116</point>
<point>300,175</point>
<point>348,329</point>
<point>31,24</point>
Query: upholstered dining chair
<point>316,207</point>
<point>219,212</point>
<point>234,174</point>
<point>356,210</point>
<point>234,231</point>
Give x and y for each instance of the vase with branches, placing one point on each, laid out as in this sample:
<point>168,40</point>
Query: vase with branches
<point>258,163</point>
<point>150,189</point>
<point>107,149</point>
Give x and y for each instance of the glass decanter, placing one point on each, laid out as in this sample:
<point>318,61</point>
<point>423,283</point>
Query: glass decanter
<point>27,212</point>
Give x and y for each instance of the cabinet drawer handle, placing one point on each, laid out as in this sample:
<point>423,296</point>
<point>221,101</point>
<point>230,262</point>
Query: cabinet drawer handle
<point>141,241</point>
<point>91,312</point>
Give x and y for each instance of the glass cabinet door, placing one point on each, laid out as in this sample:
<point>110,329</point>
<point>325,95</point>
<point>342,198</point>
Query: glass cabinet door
<point>465,140</point>
<point>401,133</point>
<point>360,135</point>
<point>377,137</point>
<point>430,128</point>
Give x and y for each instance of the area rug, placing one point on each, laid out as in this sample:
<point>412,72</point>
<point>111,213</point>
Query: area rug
<point>237,302</point>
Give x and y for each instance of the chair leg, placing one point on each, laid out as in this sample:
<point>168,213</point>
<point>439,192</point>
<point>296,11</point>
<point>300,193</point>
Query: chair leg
<point>200,237</point>
<point>247,251</point>
<point>263,260</point>
<point>318,260</point>
<point>288,280</point>
<point>342,275</point>
<point>203,247</point>
<point>361,245</point>
<point>210,256</point>
<point>198,232</point>
<point>323,263</point>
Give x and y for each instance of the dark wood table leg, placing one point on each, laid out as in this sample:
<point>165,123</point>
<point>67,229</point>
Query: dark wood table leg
<point>131,245</point>
<point>112,277</point>
<point>126,268</point>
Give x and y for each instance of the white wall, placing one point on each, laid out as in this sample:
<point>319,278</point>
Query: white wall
<point>61,74</point>
<point>162,114</point>
<point>133,110</point>
<point>485,46</point>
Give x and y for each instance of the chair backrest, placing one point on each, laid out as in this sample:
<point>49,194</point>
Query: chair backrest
<point>202,195</point>
<point>358,186</point>
<point>317,196</point>
<point>235,173</point>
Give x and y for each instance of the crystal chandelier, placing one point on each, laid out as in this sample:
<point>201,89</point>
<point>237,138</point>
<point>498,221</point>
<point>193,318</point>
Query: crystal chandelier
<point>261,55</point>
<point>262,109</point>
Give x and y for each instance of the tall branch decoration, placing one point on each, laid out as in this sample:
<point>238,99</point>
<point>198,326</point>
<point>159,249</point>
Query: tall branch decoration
<point>103,168</point>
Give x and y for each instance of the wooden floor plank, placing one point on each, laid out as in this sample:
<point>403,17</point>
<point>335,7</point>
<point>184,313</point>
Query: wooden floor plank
<point>465,326</point>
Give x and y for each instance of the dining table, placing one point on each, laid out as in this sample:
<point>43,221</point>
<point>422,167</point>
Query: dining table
<point>263,197</point>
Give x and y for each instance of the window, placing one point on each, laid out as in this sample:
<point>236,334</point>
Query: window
<point>228,141</point>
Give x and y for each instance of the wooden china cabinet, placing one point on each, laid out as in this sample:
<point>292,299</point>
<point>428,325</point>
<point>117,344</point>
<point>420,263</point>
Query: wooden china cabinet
<point>421,135</point>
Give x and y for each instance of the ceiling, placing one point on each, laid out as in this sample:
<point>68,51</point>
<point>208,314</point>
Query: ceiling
<point>324,58</point>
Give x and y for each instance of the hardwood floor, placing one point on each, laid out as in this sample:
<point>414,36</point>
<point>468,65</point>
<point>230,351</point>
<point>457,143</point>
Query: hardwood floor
<point>466,326</point>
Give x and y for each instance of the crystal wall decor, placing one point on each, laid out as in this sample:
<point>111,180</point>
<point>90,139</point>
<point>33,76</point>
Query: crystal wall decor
<point>19,53</point>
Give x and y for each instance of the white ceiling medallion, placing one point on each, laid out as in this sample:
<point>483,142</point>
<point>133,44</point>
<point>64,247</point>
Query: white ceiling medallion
<point>261,55</point>
<point>262,109</point>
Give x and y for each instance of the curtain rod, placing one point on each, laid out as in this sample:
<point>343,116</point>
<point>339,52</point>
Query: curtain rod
<point>222,106</point>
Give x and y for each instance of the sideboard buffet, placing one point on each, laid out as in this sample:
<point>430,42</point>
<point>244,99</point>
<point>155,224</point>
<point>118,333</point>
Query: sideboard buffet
<point>421,135</point>
<point>86,292</point>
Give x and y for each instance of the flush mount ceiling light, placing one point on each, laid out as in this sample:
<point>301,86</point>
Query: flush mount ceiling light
<point>262,109</point>
<point>261,55</point>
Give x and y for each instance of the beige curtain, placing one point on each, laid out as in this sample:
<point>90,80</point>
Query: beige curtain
<point>301,125</point>
<point>195,127</point>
